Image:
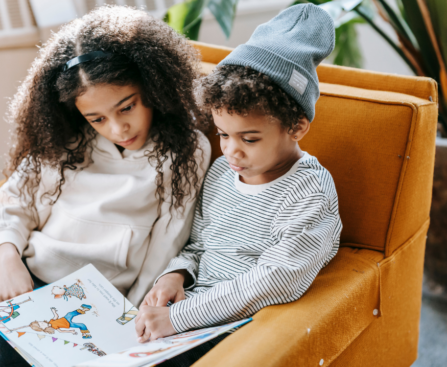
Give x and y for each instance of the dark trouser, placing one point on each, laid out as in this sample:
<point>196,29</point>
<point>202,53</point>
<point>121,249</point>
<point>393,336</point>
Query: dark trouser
<point>8,356</point>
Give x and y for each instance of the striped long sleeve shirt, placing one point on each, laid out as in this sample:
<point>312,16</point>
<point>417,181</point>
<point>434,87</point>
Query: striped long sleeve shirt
<point>252,246</point>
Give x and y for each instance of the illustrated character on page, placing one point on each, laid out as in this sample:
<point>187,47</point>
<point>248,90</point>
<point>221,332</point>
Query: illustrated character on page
<point>164,349</point>
<point>9,312</point>
<point>74,290</point>
<point>94,349</point>
<point>65,323</point>
<point>151,353</point>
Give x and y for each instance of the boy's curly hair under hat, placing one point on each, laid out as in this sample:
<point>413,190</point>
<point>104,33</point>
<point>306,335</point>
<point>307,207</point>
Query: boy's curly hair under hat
<point>242,90</point>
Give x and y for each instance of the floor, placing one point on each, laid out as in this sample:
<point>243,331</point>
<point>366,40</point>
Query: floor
<point>433,333</point>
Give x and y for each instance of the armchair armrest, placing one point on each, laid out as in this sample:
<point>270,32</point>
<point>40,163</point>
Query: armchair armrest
<point>345,295</point>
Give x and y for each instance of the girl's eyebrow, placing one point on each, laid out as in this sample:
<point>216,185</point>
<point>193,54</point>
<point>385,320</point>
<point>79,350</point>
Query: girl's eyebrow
<point>115,106</point>
<point>124,100</point>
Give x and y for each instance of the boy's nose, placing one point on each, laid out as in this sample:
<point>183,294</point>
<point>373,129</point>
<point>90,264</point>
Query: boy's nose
<point>233,150</point>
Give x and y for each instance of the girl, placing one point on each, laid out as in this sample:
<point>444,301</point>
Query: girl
<point>107,160</point>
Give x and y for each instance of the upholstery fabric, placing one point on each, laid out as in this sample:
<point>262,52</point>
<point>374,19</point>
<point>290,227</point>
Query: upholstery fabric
<point>392,339</point>
<point>296,334</point>
<point>376,134</point>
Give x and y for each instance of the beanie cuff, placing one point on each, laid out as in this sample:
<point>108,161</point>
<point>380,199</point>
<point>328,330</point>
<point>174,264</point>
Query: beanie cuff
<point>279,70</point>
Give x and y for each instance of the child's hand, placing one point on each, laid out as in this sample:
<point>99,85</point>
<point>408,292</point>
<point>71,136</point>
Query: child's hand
<point>168,288</point>
<point>153,323</point>
<point>14,277</point>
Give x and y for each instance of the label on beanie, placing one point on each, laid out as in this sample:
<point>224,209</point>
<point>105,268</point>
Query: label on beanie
<point>298,82</point>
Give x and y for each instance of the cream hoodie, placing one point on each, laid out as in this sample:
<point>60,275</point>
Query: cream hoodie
<point>106,216</point>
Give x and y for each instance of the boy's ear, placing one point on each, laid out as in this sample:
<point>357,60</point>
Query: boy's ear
<point>300,130</point>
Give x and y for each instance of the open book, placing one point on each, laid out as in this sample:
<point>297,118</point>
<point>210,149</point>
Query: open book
<point>83,320</point>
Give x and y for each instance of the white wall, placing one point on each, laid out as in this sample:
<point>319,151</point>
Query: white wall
<point>14,64</point>
<point>378,55</point>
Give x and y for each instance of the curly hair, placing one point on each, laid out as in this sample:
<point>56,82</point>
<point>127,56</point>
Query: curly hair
<point>142,51</point>
<point>242,90</point>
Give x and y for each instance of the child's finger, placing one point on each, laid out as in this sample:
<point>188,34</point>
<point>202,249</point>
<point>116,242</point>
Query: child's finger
<point>147,300</point>
<point>144,303</point>
<point>139,327</point>
<point>146,335</point>
<point>180,296</point>
<point>162,301</point>
<point>153,300</point>
<point>143,339</point>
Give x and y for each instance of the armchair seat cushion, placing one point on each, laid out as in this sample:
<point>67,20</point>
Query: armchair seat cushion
<point>297,333</point>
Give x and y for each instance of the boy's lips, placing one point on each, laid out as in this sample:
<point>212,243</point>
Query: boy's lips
<point>236,168</point>
<point>125,143</point>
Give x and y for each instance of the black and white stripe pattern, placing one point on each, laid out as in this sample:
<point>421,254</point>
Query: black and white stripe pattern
<point>247,252</point>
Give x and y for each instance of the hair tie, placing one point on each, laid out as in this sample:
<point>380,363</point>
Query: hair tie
<point>84,58</point>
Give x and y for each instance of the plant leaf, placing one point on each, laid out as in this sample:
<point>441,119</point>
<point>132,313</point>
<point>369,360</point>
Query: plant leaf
<point>175,16</point>
<point>193,32</point>
<point>347,49</point>
<point>364,13</point>
<point>316,2</point>
<point>224,11</point>
<point>417,25</point>
<point>398,23</point>
<point>438,12</point>
<point>195,12</point>
<point>350,17</point>
<point>335,8</point>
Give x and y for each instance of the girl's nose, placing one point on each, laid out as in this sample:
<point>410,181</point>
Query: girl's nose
<point>119,128</point>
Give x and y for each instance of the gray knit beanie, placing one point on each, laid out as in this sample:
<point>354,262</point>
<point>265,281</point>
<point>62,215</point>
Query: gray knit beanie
<point>288,49</point>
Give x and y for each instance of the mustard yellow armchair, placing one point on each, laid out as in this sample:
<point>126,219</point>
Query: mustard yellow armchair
<point>376,134</point>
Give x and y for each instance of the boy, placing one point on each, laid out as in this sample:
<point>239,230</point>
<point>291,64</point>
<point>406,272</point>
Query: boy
<point>267,220</point>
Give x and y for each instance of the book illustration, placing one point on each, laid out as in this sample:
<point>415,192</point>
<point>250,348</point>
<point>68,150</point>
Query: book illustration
<point>58,323</point>
<point>94,349</point>
<point>9,312</point>
<point>175,344</point>
<point>190,335</point>
<point>151,353</point>
<point>106,341</point>
<point>127,315</point>
<point>75,290</point>
<point>160,350</point>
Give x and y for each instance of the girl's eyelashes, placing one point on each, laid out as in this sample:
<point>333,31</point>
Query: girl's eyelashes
<point>97,121</point>
<point>250,141</point>
<point>125,109</point>
<point>222,135</point>
<point>128,108</point>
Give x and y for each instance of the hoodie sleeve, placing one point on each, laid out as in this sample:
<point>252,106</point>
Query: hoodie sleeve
<point>17,221</point>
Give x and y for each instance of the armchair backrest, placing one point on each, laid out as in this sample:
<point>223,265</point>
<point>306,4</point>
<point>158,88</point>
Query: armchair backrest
<point>376,134</point>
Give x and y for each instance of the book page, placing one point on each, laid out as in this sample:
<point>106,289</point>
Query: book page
<point>79,318</point>
<point>158,351</point>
